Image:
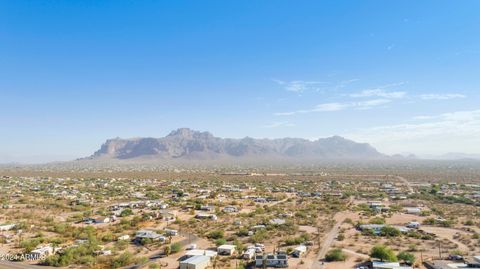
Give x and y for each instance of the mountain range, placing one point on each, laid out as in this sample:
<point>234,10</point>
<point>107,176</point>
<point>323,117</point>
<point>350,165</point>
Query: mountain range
<point>185,144</point>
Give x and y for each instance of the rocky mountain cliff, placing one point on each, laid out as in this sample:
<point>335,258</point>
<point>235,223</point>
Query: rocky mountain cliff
<point>187,144</point>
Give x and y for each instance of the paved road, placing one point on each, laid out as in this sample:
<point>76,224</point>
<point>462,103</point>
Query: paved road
<point>19,265</point>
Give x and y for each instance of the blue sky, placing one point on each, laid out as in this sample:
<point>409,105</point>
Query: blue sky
<point>401,75</point>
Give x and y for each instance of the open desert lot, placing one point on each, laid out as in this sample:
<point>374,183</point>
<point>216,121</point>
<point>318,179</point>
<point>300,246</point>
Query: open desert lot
<point>316,220</point>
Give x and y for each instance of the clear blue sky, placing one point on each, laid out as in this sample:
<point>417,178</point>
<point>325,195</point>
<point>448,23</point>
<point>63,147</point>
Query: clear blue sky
<point>401,75</point>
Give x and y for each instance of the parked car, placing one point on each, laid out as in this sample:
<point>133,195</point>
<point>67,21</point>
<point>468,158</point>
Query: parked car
<point>455,257</point>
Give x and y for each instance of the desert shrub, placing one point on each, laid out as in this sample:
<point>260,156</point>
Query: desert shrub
<point>220,242</point>
<point>175,248</point>
<point>217,234</point>
<point>335,255</point>
<point>406,257</point>
<point>383,253</point>
<point>126,212</point>
<point>390,231</point>
<point>377,220</point>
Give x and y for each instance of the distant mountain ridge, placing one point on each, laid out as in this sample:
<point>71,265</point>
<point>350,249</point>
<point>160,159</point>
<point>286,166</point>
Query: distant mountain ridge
<point>187,144</point>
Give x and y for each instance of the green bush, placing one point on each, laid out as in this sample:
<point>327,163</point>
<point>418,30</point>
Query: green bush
<point>383,253</point>
<point>390,231</point>
<point>216,234</point>
<point>220,242</point>
<point>31,244</point>
<point>406,257</point>
<point>124,259</point>
<point>126,212</point>
<point>335,255</point>
<point>175,248</point>
<point>377,220</point>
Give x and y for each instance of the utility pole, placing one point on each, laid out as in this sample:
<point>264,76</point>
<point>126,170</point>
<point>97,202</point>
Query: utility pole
<point>440,250</point>
<point>318,236</point>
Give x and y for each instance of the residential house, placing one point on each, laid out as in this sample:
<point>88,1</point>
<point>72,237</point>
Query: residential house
<point>413,210</point>
<point>376,228</point>
<point>230,209</point>
<point>147,234</point>
<point>206,216</point>
<point>200,252</point>
<point>387,265</point>
<point>272,260</point>
<point>195,262</point>
<point>42,252</point>
<point>6,227</point>
<point>170,232</point>
<point>226,250</point>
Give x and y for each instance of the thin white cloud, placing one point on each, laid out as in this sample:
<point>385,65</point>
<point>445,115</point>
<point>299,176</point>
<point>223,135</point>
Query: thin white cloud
<point>449,132</point>
<point>330,107</point>
<point>299,85</point>
<point>445,96</point>
<point>379,93</point>
<point>423,117</point>
<point>344,83</point>
<point>279,124</point>
<point>371,103</point>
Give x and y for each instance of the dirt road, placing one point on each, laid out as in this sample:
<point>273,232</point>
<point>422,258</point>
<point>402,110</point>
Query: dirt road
<point>189,238</point>
<point>407,183</point>
<point>447,233</point>
<point>328,240</point>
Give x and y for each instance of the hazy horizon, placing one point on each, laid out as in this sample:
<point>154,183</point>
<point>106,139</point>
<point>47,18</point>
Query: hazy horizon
<point>40,159</point>
<point>401,76</point>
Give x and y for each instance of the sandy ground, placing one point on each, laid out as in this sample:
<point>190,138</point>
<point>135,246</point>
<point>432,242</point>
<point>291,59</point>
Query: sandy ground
<point>447,233</point>
<point>402,219</point>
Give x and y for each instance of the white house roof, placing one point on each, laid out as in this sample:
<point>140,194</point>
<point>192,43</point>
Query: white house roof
<point>388,265</point>
<point>226,247</point>
<point>201,252</point>
<point>147,234</point>
<point>196,260</point>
